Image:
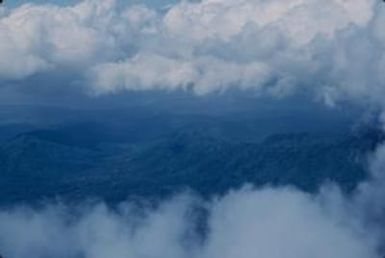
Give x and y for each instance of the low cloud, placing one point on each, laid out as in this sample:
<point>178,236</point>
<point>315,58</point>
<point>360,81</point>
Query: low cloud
<point>146,72</point>
<point>268,223</point>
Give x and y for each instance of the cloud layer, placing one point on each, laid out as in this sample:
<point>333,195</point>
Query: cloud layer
<point>270,223</point>
<point>333,48</point>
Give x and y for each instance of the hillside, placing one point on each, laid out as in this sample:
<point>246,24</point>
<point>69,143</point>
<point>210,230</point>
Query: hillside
<point>74,164</point>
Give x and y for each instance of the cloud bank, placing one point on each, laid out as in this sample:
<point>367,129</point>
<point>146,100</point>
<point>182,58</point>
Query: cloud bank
<point>333,49</point>
<point>268,223</point>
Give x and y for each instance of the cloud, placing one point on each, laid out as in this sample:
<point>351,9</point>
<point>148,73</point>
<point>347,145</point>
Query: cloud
<point>280,223</point>
<point>332,49</point>
<point>204,74</point>
<point>246,223</point>
<point>38,38</point>
<point>299,20</point>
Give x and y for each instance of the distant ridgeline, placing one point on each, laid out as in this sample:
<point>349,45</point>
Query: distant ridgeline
<point>76,164</point>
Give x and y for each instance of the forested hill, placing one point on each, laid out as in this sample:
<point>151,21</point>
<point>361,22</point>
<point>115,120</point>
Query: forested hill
<point>83,161</point>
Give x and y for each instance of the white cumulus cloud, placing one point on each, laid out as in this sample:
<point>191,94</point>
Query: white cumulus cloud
<point>333,48</point>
